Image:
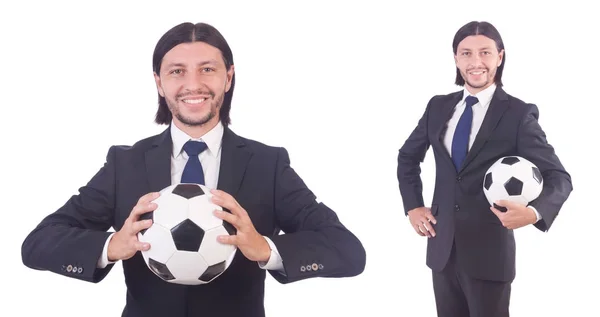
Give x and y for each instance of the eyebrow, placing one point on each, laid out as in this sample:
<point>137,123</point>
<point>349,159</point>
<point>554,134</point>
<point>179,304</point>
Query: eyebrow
<point>207,62</point>
<point>481,49</point>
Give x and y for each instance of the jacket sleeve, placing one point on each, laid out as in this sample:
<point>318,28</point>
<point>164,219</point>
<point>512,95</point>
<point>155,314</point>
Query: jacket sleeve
<point>315,243</point>
<point>70,240</point>
<point>533,146</point>
<point>410,156</point>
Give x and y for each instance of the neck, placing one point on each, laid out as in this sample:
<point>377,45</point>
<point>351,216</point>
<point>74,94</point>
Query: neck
<point>196,131</point>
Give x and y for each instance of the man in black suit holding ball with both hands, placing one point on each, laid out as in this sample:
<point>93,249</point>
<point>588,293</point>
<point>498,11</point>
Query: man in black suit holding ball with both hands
<point>471,245</point>
<point>194,74</point>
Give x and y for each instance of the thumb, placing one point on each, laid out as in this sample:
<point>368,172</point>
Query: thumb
<point>507,203</point>
<point>511,205</point>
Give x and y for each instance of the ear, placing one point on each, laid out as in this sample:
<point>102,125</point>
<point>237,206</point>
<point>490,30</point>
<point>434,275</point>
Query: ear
<point>158,85</point>
<point>500,58</point>
<point>230,73</point>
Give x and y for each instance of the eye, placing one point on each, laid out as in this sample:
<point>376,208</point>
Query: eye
<point>177,71</point>
<point>208,70</point>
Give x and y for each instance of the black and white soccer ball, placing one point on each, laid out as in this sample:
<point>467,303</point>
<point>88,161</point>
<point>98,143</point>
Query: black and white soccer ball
<point>512,178</point>
<point>183,236</point>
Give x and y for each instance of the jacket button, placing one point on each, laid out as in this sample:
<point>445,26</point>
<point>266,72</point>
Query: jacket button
<point>456,207</point>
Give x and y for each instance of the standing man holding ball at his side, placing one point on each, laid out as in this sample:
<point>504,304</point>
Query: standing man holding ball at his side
<point>471,246</point>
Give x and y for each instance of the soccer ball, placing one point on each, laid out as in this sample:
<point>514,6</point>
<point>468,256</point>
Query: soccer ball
<point>512,178</point>
<point>183,236</point>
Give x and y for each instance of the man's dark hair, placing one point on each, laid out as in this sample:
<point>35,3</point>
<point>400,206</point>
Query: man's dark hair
<point>188,33</point>
<point>485,29</point>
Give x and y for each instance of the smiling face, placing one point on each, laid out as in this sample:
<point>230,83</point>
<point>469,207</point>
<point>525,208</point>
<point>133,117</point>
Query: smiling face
<point>193,80</point>
<point>477,58</point>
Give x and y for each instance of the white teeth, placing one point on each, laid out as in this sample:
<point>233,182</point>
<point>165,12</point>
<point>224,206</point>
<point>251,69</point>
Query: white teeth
<point>194,101</point>
<point>476,73</point>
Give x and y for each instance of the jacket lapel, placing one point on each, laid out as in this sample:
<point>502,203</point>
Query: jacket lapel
<point>234,159</point>
<point>498,106</point>
<point>446,110</point>
<point>158,162</point>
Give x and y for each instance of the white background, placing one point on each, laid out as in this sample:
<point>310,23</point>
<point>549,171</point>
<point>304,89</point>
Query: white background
<point>340,85</point>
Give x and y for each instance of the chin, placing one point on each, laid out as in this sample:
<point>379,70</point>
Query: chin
<point>478,85</point>
<point>195,120</point>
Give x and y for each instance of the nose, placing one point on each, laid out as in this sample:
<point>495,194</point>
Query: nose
<point>476,60</point>
<point>194,81</point>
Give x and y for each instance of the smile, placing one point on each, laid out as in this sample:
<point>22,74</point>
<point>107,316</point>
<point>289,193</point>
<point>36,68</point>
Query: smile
<point>477,73</point>
<point>194,101</point>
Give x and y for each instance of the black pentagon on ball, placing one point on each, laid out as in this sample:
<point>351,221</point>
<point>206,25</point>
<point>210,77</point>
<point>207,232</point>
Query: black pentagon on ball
<point>188,190</point>
<point>510,160</point>
<point>146,216</point>
<point>212,271</point>
<point>487,182</point>
<point>229,227</point>
<point>187,236</point>
<point>537,175</point>
<point>513,186</point>
<point>160,269</point>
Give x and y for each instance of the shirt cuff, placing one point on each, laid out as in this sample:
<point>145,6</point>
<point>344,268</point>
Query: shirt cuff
<point>537,214</point>
<point>275,262</point>
<point>103,260</point>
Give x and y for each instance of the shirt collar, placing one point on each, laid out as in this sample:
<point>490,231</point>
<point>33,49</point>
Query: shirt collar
<point>484,96</point>
<point>212,138</point>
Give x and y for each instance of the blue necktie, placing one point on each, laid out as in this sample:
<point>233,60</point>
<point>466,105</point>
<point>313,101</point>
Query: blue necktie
<point>192,173</point>
<point>460,142</point>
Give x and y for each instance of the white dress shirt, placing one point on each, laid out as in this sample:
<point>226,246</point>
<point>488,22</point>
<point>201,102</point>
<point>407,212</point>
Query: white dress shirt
<point>479,111</point>
<point>210,160</point>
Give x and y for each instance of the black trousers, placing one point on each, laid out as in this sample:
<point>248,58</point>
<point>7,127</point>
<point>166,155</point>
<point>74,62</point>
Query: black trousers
<point>459,295</point>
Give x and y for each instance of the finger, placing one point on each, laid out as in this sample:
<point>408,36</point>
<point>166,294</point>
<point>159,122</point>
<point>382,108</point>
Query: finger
<point>144,200</point>
<point>226,239</point>
<point>140,225</point>
<point>423,229</point>
<point>431,218</point>
<point>429,228</point>
<point>140,209</point>
<point>416,227</point>
<point>217,193</point>
<point>228,202</point>
<point>427,220</point>
<point>230,218</point>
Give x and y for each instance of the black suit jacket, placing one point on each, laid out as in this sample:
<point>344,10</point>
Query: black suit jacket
<point>262,181</point>
<point>485,249</point>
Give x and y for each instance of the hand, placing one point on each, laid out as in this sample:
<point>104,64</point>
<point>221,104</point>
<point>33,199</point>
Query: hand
<point>124,243</point>
<point>251,243</point>
<point>516,215</point>
<point>421,220</point>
